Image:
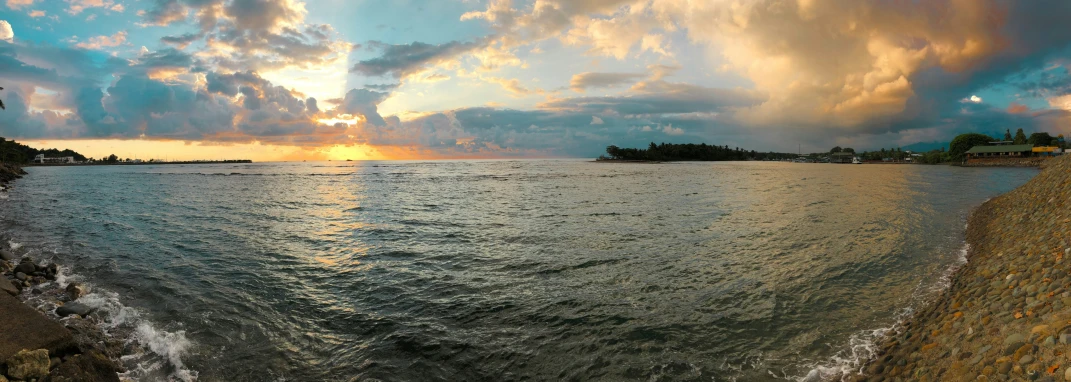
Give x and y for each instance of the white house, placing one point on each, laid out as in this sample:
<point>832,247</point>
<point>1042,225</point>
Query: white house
<point>41,158</point>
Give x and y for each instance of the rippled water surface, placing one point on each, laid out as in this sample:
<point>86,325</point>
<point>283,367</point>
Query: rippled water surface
<point>503,270</point>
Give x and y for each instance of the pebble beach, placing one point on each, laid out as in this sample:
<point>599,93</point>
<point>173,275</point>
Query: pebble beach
<point>1007,313</point>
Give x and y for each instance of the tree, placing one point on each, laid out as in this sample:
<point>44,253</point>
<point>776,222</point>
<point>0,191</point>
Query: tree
<point>835,149</point>
<point>963,142</point>
<point>112,159</point>
<point>1020,137</point>
<point>2,102</point>
<point>1040,139</point>
<point>848,150</point>
<point>1007,135</point>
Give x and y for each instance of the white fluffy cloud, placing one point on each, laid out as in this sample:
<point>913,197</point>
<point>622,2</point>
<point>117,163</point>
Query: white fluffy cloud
<point>6,33</point>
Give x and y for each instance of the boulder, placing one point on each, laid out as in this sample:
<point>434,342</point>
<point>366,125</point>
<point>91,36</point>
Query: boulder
<point>75,290</point>
<point>90,367</point>
<point>28,364</point>
<point>7,286</point>
<point>21,276</point>
<point>6,255</point>
<point>26,267</point>
<point>74,308</point>
<point>24,327</point>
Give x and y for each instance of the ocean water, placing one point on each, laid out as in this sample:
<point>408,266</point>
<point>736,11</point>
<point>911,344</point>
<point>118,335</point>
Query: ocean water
<point>500,270</point>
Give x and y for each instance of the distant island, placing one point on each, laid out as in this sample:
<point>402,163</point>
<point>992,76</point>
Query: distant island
<point>688,152</point>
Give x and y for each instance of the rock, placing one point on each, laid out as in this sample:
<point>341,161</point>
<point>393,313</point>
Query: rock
<point>1026,360</point>
<point>21,276</point>
<point>1049,341</point>
<point>89,367</point>
<point>28,364</point>
<point>6,255</point>
<point>74,308</point>
<point>26,267</point>
<point>7,286</point>
<point>1067,374</point>
<point>75,290</point>
<point>23,327</point>
<point>1015,337</point>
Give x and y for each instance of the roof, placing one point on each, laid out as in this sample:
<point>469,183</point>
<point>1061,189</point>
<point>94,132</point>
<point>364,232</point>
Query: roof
<point>1000,149</point>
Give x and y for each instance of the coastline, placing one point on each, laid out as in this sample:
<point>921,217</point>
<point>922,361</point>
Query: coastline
<point>1007,312</point>
<point>49,333</point>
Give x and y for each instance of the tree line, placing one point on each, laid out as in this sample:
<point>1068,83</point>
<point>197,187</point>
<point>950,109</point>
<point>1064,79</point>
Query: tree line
<point>14,152</point>
<point>689,152</point>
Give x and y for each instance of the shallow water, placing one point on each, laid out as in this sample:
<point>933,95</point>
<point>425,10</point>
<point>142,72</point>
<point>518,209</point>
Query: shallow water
<point>501,270</point>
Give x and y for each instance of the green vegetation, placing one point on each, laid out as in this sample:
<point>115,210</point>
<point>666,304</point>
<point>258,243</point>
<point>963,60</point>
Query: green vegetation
<point>838,149</point>
<point>963,143</point>
<point>689,152</point>
<point>14,152</point>
<point>1020,137</point>
<point>1041,139</point>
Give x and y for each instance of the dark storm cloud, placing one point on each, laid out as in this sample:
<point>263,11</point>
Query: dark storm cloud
<point>404,59</point>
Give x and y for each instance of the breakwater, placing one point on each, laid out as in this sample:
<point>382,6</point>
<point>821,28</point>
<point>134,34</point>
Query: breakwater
<point>1007,313</point>
<point>1006,162</point>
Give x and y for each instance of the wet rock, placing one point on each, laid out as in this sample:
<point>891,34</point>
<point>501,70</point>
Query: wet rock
<point>26,267</point>
<point>74,308</point>
<point>1026,360</point>
<point>7,286</point>
<point>75,291</point>
<point>90,367</point>
<point>6,255</point>
<point>21,276</point>
<point>28,364</point>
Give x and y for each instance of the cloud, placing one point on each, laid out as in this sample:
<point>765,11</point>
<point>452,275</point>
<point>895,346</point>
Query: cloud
<point>35,14</point>
<point>17,4</point>
<point>973,99</point>
<point>364,102</point>
<point>513,86</point>
<point>6,33</point>
<point>77,6</point>
<point>251,34</point>
<point>588,80</point>
<point>165,12</point>
<point>401,60</point>
<point>98,42</point>
<point>595,120</point>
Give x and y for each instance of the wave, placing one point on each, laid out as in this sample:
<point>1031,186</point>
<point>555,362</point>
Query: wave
<point>150,353</point>
<point>864,345</point>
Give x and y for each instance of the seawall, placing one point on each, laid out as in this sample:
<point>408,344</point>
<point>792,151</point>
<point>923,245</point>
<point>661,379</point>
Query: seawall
<point>1007,313</point>
<point>1007,162</point>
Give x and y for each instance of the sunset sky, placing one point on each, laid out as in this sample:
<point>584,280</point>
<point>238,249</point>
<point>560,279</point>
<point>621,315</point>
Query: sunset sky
<point>406,79</point>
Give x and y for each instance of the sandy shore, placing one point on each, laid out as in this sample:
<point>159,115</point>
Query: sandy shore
<point>57,341</point>
<point>1007,313</point>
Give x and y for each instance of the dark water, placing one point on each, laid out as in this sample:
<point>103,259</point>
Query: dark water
<point>500,270</point>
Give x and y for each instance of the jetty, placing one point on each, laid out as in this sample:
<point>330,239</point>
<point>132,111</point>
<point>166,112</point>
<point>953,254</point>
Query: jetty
<point>1007,313</point>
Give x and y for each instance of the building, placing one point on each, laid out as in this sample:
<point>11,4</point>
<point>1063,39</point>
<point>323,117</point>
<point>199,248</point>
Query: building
<point>1045,151</point>
<point>41,158</point>
<point>1001,151</point>
<point>841,157</point>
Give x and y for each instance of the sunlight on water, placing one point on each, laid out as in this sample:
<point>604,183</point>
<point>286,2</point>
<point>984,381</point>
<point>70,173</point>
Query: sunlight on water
<point>504,270</point>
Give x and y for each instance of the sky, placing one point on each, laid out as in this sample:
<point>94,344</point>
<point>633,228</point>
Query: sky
<point>407,79</point>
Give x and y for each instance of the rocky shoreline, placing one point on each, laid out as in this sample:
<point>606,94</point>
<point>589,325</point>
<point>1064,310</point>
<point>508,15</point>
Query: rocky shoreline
<point>60,340</point>
<point>1007,314</point>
